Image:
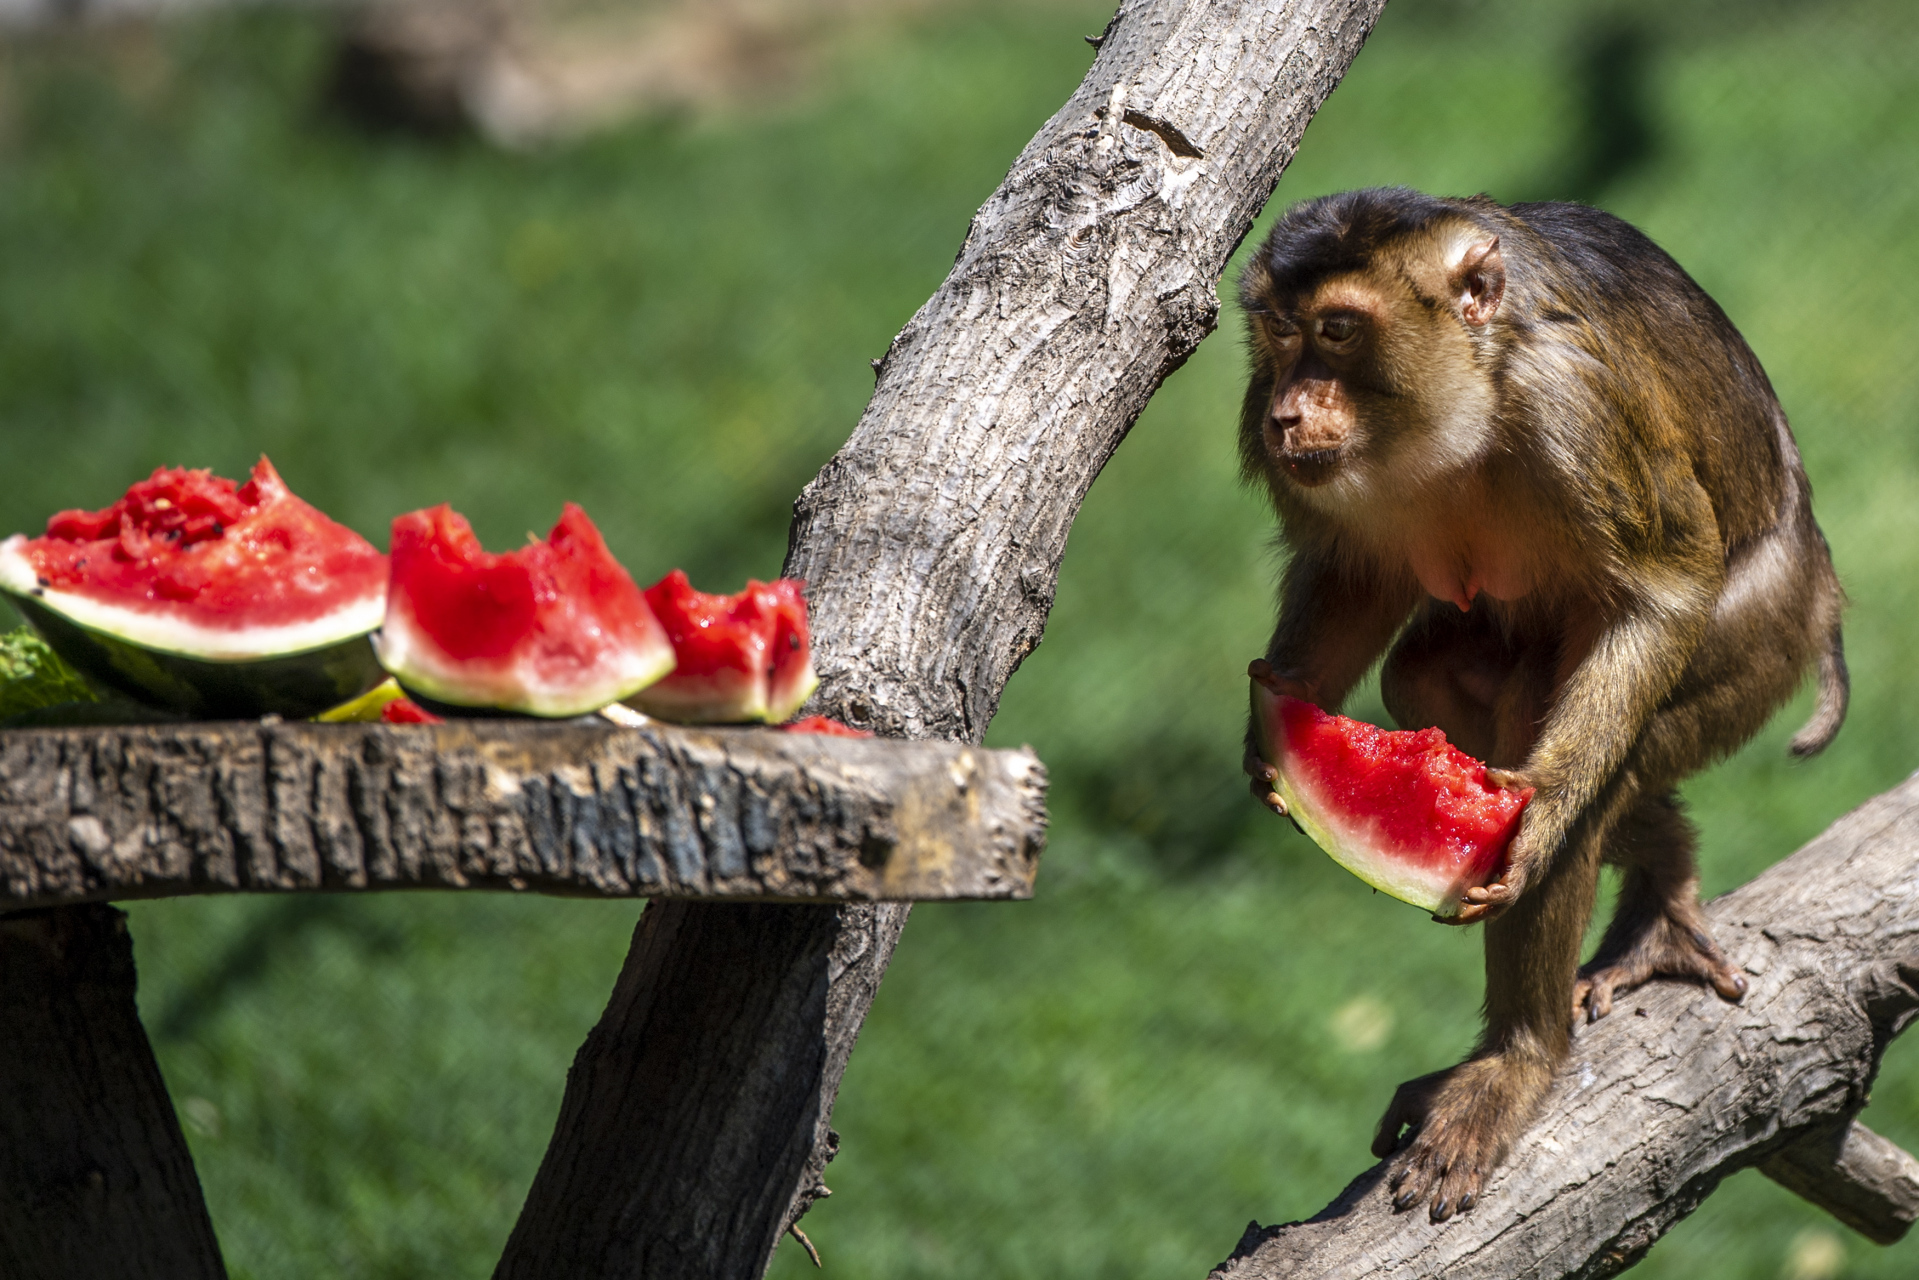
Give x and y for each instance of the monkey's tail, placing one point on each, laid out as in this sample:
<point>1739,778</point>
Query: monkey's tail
<point>1835,690</point>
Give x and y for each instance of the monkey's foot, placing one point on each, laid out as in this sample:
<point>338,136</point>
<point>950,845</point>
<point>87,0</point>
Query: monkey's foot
<point>1463,1122</point>
<point>1641,947</point>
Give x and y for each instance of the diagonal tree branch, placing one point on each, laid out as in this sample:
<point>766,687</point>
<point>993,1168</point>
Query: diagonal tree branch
<point>1675,1091</point>
<point>932,544</point>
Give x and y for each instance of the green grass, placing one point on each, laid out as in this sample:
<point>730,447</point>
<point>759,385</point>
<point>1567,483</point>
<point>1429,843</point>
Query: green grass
<point>1198,1019</point>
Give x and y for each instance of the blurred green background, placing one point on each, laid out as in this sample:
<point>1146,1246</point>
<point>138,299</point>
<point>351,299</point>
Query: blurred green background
<point>1199,1018</point>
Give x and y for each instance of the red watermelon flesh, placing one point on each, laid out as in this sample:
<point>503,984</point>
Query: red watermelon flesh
<point>407,711</point>
<point>556,628</point>
<point>1407,812</point>
<point>739,657</point>
<point>188,562</point>
<point>826,726</point>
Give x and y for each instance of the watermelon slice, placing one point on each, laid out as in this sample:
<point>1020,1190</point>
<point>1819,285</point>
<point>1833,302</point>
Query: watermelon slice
<point>204,596</point>
<point>1407,812</point>
<point>556,628</point>
<point>740,657</point>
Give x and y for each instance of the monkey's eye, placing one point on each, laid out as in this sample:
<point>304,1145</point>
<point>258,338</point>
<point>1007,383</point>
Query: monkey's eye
<point>1339,328</point>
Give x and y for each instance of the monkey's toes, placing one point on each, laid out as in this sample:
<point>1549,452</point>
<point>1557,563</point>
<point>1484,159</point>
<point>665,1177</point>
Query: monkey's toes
<point>1726,977</point>
<point>1443,1173</point>
<point>1667,950</point>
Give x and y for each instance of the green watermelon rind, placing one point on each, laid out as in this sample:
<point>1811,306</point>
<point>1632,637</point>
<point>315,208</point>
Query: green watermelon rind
<point>1352,850</point>
<point>1363,852</point>
<point>419,670</point>
<point>295,685</point>
<point>166,632</point>
<point>743,698</point>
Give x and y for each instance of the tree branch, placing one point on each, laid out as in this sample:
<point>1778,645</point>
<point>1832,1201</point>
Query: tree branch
<point>1676,1090</point>
<point>932,543</point>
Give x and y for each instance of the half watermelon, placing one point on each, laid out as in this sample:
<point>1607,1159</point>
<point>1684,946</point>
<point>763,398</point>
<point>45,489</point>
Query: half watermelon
<point>206,597</point>
<point>1407,812</point>
<point>744,657</point>
<point>556,628</point>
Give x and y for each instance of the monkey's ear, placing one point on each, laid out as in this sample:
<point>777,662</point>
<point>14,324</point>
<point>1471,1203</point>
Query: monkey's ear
<point>1479,282</point>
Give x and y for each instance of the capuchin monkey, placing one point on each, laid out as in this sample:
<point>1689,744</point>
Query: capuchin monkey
<point>1518,452</point>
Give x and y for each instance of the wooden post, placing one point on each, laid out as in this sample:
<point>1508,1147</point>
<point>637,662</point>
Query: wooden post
<point>95,1178</point>
<point>931,544</point>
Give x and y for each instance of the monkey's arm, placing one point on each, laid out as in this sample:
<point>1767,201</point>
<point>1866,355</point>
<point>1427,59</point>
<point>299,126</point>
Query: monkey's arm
<point>1334,623</point>
<point>1333,626</point>
<point>1635,648</point>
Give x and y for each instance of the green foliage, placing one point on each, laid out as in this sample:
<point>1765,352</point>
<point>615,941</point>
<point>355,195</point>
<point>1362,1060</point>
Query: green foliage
<point>1200,1017</point>
<point>33,678</point>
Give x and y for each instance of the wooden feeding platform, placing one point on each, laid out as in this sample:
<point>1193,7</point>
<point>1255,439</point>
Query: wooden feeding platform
<point>575,808</point>
<point>95,1176</point>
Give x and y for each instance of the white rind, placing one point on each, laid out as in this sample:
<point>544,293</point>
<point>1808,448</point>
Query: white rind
<point>154,629</point>
<point>420,665</point>
<point>1360,849</point>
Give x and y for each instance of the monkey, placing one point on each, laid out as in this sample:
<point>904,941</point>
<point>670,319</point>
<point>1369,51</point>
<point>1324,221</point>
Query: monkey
<point>1520,455</point>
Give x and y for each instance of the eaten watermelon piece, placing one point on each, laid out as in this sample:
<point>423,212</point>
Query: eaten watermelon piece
<point>205,596</point>
<point>826,726</point>
<point>556,628</point>
<point>1407,812</point>
<point>744,657</point>
<point>407,711</point>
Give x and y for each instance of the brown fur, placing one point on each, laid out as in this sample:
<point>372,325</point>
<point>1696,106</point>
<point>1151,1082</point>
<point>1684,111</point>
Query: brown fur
<point>1519,453</point>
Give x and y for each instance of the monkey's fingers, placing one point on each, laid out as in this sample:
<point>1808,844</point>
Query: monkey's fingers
<point>1264,793</point>
<point>1262,674</point>
<point>1509,779</point>
<point>1482,902</point>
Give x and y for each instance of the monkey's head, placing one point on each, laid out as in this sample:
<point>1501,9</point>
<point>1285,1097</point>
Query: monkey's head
<point>1371,314</point>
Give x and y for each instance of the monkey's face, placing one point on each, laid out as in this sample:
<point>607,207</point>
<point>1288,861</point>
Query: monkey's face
<point>1320,356</point>
<point>1367,381</point>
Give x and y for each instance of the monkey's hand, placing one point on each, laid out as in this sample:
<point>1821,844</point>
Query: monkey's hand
<point>1265,784</point>
<point>1261,672</point>
<point>1264,776</point>
<point>1484,902</point>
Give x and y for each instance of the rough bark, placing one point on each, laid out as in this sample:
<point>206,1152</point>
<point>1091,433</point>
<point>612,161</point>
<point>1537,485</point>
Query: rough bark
<point>95,1179</point>
<point>571,808</point>
<point>1677,1090</point>
<point>1857,1176</point>
<point>932,543</point>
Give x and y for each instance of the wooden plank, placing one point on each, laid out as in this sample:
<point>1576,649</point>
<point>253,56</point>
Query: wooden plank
<point>572,808</point>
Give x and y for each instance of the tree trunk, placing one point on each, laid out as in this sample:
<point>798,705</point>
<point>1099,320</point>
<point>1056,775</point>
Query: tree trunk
<point>95,1178</point>
<point>931,542</point>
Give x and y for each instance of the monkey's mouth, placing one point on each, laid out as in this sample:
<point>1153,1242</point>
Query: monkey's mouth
<point>1311,468</point>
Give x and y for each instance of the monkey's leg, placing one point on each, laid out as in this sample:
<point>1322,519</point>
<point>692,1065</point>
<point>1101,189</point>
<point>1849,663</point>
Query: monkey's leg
<point>1464,1121</point>
<point>1448,670</point>
<point>1658,930</point>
